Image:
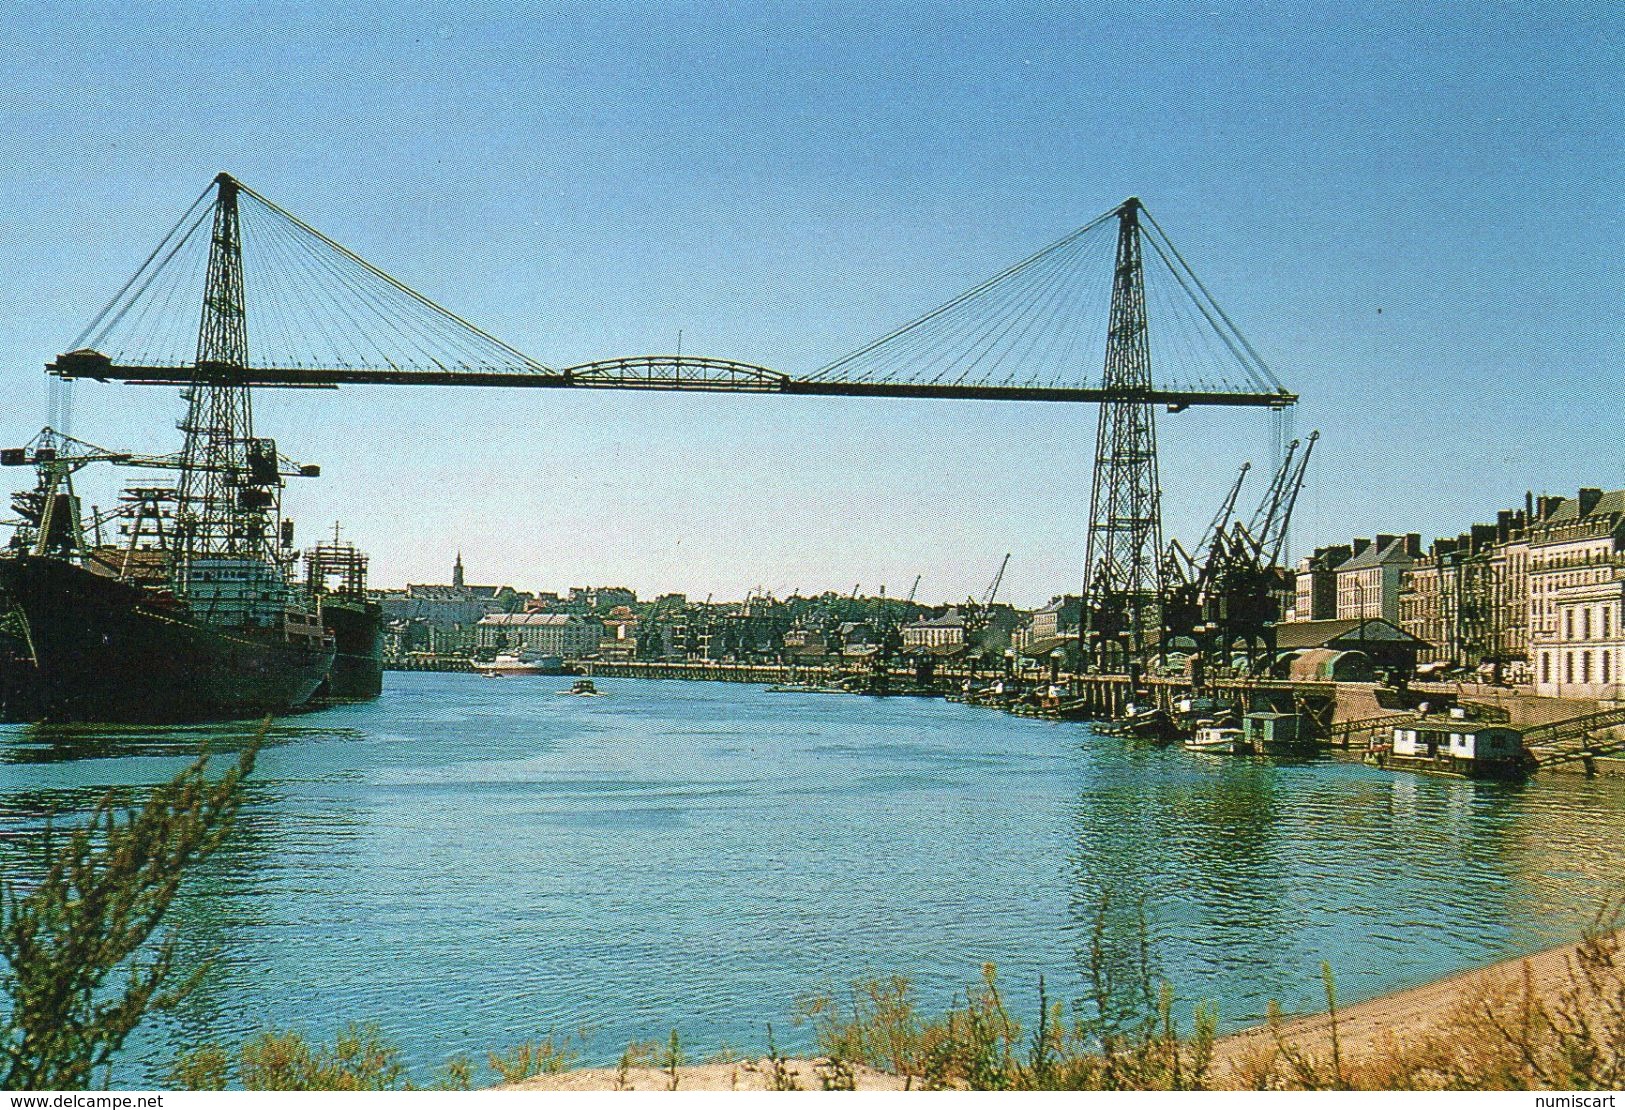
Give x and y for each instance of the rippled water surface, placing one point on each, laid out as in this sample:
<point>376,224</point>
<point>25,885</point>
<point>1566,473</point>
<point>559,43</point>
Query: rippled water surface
<point>473,863</point>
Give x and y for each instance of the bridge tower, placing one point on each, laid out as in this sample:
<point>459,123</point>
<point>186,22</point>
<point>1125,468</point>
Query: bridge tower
<point>1123,572</point>
<point>226,501</point>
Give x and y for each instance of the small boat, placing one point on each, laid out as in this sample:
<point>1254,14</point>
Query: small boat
<point>1219,740</point>
<point>1191,713</point>
<point>802,688</point>
<point>1149,723</point>
<point>582,688</point>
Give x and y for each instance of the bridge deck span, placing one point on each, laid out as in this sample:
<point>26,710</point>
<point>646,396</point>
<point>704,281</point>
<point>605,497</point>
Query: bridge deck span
<point>656,372</point>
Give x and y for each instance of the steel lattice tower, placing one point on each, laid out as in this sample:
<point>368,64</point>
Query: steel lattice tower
<point>225,504</point>
<point>1123,573</point>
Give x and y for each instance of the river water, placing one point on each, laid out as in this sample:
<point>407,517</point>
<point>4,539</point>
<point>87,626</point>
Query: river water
<point>472,864</point>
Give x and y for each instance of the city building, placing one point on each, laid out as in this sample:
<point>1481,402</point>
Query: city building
<point>566,635</point>
<point>600,599</point>
<point>805,643</point>
<point>440,618</point>
<point>620,636</point>
<point>1315,594</point>
<point>944,631</point>
<point>1458,598</point>
<point>1061,617</point>
<point>1576,595</point>
<point>1048,639</point>
<point>1368,582</point>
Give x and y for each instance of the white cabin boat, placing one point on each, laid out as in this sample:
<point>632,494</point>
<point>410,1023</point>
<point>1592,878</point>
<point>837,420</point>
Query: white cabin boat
<point>1219,740</point>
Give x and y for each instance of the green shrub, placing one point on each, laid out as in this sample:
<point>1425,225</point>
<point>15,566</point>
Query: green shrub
<point>71,949</point>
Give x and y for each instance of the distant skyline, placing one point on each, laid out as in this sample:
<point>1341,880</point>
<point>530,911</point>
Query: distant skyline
<point>1413,211</point>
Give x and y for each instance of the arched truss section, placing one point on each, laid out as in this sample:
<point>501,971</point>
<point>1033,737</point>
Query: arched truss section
<point>679,372</point>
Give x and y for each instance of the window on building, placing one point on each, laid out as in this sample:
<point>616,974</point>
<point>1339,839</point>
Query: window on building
<point>1585,623</point>
<point>1568,625</point>
<point>1602,665</point>
<point>1568,666</point>
<point>1545,666</point>
<point>1585,666</point>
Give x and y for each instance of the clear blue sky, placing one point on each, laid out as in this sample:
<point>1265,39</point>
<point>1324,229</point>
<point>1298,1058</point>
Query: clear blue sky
<point>783,182</point>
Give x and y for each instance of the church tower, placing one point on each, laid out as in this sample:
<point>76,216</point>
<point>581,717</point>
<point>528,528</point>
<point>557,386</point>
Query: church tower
<point>457,572</point>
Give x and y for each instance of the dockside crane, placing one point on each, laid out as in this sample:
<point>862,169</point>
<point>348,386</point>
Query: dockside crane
<point>993,589</point>
<point>1241,604</point>
<point>49,518</point>
<point>1187,567</point>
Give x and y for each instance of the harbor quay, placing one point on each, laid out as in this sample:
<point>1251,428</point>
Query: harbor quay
<point>1519,622</point>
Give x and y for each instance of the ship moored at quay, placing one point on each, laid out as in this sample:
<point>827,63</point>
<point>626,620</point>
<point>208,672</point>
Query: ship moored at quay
<point>152,632</point>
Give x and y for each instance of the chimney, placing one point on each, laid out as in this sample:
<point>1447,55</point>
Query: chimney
<point>1588,499</point>
<point>1545,506</point>
<point>1485,535</point>
<point>1443,547</point>
<point>1360,544</point>
<point>1503,525</point>
<point>1529,504</point>
<point>1413,545</point>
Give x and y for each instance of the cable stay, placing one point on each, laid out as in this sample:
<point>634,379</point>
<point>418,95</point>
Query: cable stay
<point>1041,325</point>
<point>310,305</point>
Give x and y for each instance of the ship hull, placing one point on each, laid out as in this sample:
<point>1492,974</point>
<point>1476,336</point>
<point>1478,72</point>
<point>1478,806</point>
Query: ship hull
<point>19,683</point>
<point>358,636</point>
<point>108,651</point>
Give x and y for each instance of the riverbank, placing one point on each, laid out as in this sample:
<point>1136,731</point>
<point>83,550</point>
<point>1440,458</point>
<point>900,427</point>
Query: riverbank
<point>1427,1025</point>
<point>1396,1041</point>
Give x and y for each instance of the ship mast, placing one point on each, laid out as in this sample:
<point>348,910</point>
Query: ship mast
<point>227,503</point>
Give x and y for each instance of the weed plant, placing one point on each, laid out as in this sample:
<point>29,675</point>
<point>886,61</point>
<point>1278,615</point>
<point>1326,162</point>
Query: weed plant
<point>76,968</point>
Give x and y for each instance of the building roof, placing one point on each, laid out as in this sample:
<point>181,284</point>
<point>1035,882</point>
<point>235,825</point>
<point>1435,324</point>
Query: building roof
<point>1348,633</point>
<point>436,591</point>
<point>1042,649</point>
<point>420,592</point>
<point>1611,502</point>
<point>1391,552</point>
<point>950,619</point>
<point>533,620</point>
